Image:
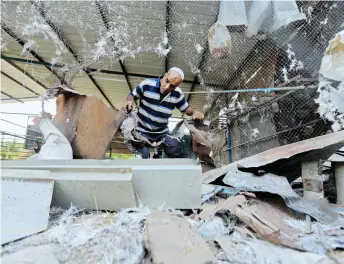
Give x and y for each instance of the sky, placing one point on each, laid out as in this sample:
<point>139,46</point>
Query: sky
<point>34,108</point>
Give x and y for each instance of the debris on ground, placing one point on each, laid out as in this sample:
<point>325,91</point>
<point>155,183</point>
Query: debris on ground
<point>246,217</point>
<point>319,209</point>
<point>238,228</point>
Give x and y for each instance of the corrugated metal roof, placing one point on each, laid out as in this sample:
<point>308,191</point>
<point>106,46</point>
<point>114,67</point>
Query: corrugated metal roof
<point>80,24</point>
<point>20,77</point>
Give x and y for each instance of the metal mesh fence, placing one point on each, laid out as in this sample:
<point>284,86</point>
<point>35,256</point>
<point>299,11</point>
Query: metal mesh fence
<point>288,55</point>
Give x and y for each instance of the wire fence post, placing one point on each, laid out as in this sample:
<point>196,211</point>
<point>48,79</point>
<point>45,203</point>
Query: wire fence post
<point>229,144</point>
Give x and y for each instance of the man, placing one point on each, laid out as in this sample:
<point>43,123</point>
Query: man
<point>158,98</point>
<point>56,145</point>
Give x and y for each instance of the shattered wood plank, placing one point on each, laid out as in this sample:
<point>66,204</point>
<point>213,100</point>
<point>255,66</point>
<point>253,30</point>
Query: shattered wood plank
<point>170,239</point>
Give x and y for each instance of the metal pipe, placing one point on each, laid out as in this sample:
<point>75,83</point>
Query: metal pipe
<point>265,90</point>
<point>167,27</point>
<point>19,83</point>
<point>229,145</point>
<point>18,98</point>
<point>10,97</point>
<point>48,64</point>
<point>27,74</point>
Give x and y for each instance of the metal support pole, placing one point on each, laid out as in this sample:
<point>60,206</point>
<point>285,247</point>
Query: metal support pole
<point>229,145</point>
<point>312,180</point>
<point>339,176</point>
<point>110,153</point>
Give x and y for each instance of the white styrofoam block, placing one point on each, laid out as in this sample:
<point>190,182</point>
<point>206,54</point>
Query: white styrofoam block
<point>25,203</point>
<point>170,182</point>
<point>103,189</point>
<point>178,186</point>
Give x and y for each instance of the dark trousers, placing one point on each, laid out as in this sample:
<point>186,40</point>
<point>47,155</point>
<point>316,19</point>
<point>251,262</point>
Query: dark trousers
<point>171,146</point>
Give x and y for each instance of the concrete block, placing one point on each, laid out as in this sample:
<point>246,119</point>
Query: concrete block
<point>169,238</point>
<point>339,176</point>
<point>103,189</point>
<point>25,203</point>
<point>312,180</point>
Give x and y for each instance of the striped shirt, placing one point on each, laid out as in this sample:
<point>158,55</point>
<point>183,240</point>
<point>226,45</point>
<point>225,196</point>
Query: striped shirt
<point>154,113</point>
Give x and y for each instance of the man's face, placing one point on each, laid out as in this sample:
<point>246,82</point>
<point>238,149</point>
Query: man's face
<point>169,82</point>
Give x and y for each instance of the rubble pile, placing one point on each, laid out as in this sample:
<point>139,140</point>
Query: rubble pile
<point>243,228</point>
<point>248,213</point>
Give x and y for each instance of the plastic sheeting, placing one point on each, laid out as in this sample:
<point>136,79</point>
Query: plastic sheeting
<point>332,65</point>
<point>256,15</point>
<point>219,41</point>
<point>331,83</point>
<point>56,144</point>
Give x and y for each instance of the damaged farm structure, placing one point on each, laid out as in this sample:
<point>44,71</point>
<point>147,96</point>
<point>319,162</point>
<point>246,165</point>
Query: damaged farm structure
<point>172,132</point>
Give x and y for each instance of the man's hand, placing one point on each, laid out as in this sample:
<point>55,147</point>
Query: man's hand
<point>197,115</point>
<point>128,105</point>
<point>47,115</point>
<point>38,119</point>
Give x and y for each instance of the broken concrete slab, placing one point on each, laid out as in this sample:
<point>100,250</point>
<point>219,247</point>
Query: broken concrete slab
<point>169,238</point>
<point>245,181</point>
<point>171,182</point>
<point>103,189</point>
<point>25,203</point>
<point>312,179</point>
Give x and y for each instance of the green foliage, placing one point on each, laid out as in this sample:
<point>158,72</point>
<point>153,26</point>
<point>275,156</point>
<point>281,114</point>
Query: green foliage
<point>119,156</point>
<point>10,150</point>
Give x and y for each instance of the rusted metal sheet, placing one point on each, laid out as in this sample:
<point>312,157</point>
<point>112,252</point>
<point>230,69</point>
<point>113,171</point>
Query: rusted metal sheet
<point>88,124</point>
<point>270,183</point>
<point>286,160</point>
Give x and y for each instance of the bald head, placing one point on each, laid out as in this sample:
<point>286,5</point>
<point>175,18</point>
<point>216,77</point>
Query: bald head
<point>171,80</point>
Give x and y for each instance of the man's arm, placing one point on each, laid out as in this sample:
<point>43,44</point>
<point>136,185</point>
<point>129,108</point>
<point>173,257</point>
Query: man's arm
<point>195,114</point>
<point>137,92</point>
<point>184,107</point>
